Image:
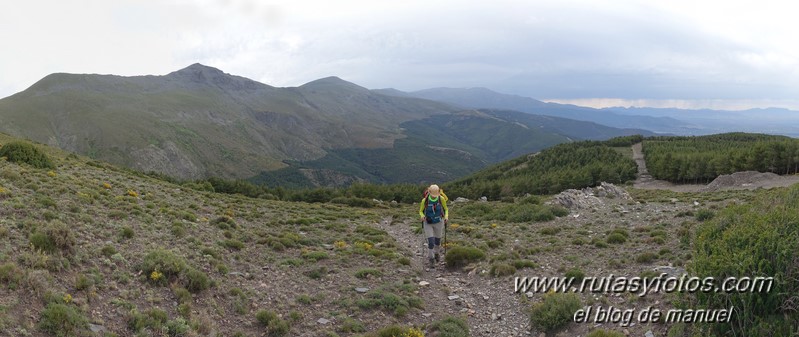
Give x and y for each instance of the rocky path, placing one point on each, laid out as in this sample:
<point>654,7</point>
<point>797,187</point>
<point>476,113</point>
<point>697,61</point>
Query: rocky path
<point>489,303</point>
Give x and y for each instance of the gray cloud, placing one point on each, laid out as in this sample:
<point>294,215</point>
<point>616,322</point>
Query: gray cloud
<point>547,49</point>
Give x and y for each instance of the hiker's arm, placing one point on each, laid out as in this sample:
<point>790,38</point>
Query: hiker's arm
<point>446,210</point>
<point>421,208</point>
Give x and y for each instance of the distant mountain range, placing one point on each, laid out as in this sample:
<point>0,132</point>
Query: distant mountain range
<point>663,121</point>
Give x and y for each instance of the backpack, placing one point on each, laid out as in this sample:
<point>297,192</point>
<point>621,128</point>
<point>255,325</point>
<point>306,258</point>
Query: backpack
<point>435,218</point>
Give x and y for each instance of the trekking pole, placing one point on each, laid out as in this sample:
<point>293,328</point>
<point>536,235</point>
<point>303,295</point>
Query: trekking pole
<point>446,224</point>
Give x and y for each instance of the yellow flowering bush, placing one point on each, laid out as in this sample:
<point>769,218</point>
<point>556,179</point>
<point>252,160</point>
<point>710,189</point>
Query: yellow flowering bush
<point>67,298</point>
<point>133,193</point>
<point>413,332</point>
<point>363,245</point>
<point>493,225</point>
<point>454,226</point>
<point>156,275</point>
<point>340,244</point>
<point>51,174</point>
<point>107,186</point>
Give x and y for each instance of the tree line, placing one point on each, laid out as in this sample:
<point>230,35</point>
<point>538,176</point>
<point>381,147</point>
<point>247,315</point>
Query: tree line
<point>564,166</point>
<point>703,158</point>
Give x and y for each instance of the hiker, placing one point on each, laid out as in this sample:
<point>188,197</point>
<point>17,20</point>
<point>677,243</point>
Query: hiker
<point>434,214</point>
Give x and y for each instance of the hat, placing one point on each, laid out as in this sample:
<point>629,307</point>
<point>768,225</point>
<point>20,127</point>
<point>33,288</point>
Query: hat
<point>434,190</point>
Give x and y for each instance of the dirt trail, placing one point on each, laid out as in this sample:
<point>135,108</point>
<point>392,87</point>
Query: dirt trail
<point>490,304</point>
<point>645,181</point>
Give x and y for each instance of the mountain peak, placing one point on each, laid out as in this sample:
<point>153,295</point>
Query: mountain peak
<point>202,74</point>
<point>330,82</point>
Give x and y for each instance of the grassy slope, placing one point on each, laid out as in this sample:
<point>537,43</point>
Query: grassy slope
<point>271,269</point>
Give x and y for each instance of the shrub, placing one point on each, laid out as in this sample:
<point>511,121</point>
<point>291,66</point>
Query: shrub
<point>352,325</point>
<point>233,244</point>
<point>10,275</point>
<point>502,269</point>
<point>164,262</point>
<point>367,272</point>
<point>62,320</point>
<point>275,326</point>
<point>196,281</point>
<point>224,222</point>
<point>616,238</point>
<point>754,239</point>
<point>704,215</point>
<point>555,311</point>
<point>521,264</point>
<point>575,273</point>
<point>450,327</point>
<point>604,333</point>
<point>53,237</point>
<point>460,256</point>
<point>22,152</point>
<point>646,257</point>
<point>126,232</point>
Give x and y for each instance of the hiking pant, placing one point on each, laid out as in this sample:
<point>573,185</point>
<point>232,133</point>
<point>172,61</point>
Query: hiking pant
<point>433,232</point>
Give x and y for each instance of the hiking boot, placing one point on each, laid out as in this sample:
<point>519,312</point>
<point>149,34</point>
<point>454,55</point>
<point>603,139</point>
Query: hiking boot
<point>432,262</point>
<point>438,258</point>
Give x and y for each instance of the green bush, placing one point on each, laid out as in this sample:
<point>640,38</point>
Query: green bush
<point>53,237</point>
<point>10,275</point>
<point>646,257</point>
<point>22,152</point>
<point>460,256</point>
<point>502,269</point>
<point>126,232</point>
<point>616,238</point>
<point>275,326</point>
<point>575,273</point>
<point>62,320</point>
<point>450,327</point>
<point>704,215</point>
<point>367,272</point>
<point>196,281</point>
<point>604,333</point>
<point>756,239</point>
<point>521,264</point>
<point>555,311</point>
<point>173,268</point>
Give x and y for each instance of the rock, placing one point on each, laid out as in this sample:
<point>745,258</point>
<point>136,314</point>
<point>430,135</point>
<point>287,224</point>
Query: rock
<point>649,334</point>
<point>424,283</point>
<point>97,328</point>
<point>323,321</point>
<point>427,314</point>
<point>460,199</point>
<point>483,199</point>
<point>361,290</point>
<point>696,203</point>
<point>453,297</point>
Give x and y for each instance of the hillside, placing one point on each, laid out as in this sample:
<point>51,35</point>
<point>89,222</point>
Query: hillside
<point>180,124</point>
<point>441,148</point>
<point>92,247</point>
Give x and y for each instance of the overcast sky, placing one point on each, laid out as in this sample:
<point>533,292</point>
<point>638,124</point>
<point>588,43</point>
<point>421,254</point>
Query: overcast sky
<point>688,53</point>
